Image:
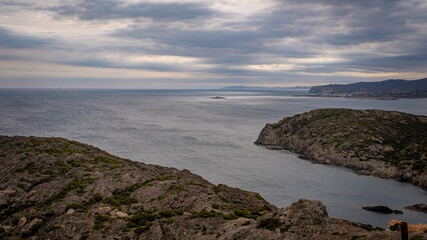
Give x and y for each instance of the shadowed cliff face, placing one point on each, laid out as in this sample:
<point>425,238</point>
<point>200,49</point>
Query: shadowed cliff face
<point>53,188</point>
<point>373,142</point>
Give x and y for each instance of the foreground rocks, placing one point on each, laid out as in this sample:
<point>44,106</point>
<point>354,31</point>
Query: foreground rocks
<point>373,142</point>
<point>53,188</point>
<point>392,225</point>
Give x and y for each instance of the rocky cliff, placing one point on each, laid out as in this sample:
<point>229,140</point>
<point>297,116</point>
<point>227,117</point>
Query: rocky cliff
<point>53,188</point>
<point>374,142</point>
<point>388,89</point>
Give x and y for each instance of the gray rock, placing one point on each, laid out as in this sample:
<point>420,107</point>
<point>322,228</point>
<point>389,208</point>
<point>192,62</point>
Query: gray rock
<point>372,142</point>
<point>150,202</point>
<point>22,222</point>
<point>421,207</point>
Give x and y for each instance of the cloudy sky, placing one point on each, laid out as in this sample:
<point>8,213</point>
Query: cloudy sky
<point>209,44</point>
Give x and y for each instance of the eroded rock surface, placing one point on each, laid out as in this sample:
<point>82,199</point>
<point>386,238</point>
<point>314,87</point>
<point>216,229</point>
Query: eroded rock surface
<point>53,188</point>
<point>385,144</point>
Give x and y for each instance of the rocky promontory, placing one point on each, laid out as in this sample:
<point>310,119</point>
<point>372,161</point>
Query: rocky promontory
<point>420,207</point>
<point>387,89</point>
<point>54,188</point>
<point>385,144</point>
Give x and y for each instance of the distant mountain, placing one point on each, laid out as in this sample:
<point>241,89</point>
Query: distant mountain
<point>392,88</point>
<point>265,88</point>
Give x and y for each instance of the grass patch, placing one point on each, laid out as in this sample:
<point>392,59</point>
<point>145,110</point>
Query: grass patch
<point>120,199</point>
<point>217,189</point>
<point>99,221</point>
<point>102,159</point>
<point>369,227</point>
<point>258,196</point>
<point>246,223</point>
<point>285,228</point>
<point>269,223</point>
<point>75,184</point>
<point>160,197</point>
<point>208,214</point>
<point>30,168</point>
<point>142,220</point>
<point>197,184</point>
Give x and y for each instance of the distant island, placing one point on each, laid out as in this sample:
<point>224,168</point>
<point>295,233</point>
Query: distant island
<point>385,144</point>
<point>54,188</point>
<point>388,89</point>
<point>265,88</point>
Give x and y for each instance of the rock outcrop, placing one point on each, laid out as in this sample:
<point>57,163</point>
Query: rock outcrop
<point>421,207</point>
<point>53,188</point>
<point>382,209</point>
<point>393,225</point>
<point>372,142</point>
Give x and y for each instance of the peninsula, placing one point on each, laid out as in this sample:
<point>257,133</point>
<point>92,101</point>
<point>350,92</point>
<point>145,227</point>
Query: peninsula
<point>388,89</point>
<point>54,188</point>
<point>384,144</point>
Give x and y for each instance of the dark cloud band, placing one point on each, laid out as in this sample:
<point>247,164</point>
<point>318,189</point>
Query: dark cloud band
<point>108,9</point>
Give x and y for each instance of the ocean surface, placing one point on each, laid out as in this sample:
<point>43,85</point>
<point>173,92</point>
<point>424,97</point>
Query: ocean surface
<point>214,138</point>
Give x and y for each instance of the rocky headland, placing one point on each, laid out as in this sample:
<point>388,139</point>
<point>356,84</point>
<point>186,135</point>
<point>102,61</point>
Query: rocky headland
<point>385,144</point>
<point>387,89</point>
<point>54,188</point>
<point>420,207</point>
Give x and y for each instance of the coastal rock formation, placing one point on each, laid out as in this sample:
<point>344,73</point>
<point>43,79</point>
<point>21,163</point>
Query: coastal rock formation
<point>411,227</point>
<point>388,89</point>
<point>382,209</point>
<point>421,207</point>
<point>53,188</point>
<point>218,97</point>
<point>385,144</point>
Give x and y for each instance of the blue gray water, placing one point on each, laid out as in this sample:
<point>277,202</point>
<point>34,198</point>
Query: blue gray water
<point>213,138</point>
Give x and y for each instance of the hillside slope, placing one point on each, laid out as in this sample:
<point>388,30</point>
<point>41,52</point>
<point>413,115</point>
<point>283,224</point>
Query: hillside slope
<point>389,89</point>
<point>374,142</point>
<point>53,188</point>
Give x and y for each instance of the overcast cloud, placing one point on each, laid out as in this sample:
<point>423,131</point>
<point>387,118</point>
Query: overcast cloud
<point>205,44</point>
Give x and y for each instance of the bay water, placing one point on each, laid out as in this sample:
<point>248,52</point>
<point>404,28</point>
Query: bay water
<point>187,129</point>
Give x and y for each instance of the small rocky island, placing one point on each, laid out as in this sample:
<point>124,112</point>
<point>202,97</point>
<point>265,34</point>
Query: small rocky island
<point>387,89</point>
<point>54,188</point>
<point>385,144</point>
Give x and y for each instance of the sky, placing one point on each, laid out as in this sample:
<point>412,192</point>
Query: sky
<point>209,44</point>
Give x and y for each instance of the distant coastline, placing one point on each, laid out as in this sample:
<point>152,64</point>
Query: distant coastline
<point>265,88</point>
<point>385,90</point>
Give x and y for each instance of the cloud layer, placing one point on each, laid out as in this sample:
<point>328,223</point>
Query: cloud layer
<point>203,44</point>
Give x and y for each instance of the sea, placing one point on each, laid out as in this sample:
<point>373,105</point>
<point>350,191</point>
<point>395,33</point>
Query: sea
<point>187,129</point>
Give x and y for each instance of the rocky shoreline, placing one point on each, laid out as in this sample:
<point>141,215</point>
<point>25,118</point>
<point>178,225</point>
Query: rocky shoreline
<point>54,188</point>
<point>371,142</point>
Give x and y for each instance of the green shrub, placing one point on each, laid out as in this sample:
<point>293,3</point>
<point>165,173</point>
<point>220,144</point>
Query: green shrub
<point>217,189</point>
<point>246,223</point>
<point>258,196</point>
<point>269,223</point>
<point>284,229</point>
<point>99,221</point>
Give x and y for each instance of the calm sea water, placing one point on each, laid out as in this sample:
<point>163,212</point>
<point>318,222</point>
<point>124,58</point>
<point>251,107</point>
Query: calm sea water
<point>213,138</point>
